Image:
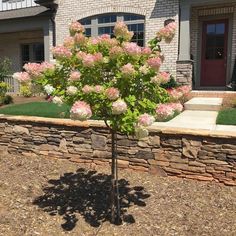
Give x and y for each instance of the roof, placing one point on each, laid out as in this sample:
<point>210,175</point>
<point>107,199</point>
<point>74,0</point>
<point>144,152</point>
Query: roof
<point>24,12</point>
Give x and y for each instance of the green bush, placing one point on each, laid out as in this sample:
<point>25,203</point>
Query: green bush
<point>25,90</point>
<point>7,100</point>
<point>5,68</point>
<point>3,89</point>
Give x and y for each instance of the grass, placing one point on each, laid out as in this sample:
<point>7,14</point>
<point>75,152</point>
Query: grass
<point>227,117</point>
<point>41,109</point>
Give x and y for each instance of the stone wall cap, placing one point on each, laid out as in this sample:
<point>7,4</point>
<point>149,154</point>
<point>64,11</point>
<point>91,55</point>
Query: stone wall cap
<point>100,124</point>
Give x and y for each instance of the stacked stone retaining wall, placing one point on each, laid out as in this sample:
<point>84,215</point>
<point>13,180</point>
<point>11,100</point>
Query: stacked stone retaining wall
<point>190,154</point>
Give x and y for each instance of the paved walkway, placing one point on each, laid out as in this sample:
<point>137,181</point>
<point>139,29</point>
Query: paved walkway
<point>203,120</point>
<point>200,114</point>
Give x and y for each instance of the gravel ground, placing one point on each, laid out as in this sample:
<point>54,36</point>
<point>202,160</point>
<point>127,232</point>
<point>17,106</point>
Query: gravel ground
<point>47,197</point>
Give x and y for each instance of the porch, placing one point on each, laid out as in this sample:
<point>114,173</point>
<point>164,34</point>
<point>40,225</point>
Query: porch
<point>207,45</point>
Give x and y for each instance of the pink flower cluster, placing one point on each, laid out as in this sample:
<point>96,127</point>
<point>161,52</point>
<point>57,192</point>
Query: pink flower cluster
<point>116,51</point>
<point>74,75</point>
<point>87,89</point>
<point>166,111</point>
<point>121,31</point>
<point>61,52</point>
<point>36,69</point>
<point>119,107</point>
<point>127,70</point>
<point>81,111</point>
<point>22,77</point>
<point>155,63</point>
<point>89,60</point>
<point>80,39</point>
<point>104,39</point>
<point>132,49</point>
<point>145,120</point>
<point>69,42</point>
<point>112,93</point>
<point>76,27</point>
<point>161,78</point>
<point>179,92</point>
<point>168,32</point>
<point>146,51</point>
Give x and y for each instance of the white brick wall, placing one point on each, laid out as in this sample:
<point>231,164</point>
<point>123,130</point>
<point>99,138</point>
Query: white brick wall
<point>155,11</point>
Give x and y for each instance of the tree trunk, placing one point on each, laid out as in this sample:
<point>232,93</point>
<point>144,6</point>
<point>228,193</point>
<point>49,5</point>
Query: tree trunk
<point>115,201</point>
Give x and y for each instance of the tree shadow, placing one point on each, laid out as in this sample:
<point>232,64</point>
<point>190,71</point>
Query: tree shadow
<point>88,193</point>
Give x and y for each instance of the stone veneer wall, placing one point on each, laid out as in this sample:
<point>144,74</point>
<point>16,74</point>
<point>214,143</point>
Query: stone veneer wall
<point>184,72</point>
<point>188,154</point>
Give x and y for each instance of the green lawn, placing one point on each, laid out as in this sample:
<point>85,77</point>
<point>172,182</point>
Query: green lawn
<point>41,109</point>
<point>227,117</point>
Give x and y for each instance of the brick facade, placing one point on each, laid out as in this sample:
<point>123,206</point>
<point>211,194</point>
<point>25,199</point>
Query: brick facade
<point>155,12</point>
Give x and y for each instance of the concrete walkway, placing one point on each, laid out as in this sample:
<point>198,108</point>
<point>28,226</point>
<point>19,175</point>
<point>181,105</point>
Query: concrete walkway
<point>199,114</point>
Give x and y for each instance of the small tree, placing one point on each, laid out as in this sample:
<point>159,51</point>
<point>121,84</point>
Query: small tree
<point>112,79</point>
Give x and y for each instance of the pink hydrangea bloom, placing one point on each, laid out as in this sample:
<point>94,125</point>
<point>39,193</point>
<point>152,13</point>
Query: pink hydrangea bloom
<point>76,27</point>
<point>80,39</point>
<point>22,77</point>
<point>161,78</point>
<point>81,111</point>
<point>121,31</point>
<point>185,89</point>
<point>80,55</point>
<point>178,107</point>
<point>69,42</point>
<point>146,51</point>
<point>61,52</point>
<point>145,120</point>
<point>119,107</point>
<point>98,89</point>
<point>127,69</point>
<point>74,75</point>
<point>164,111</point>
<point>132,49</point>
<point>155,63</point>
<point>47,66</point>
<point>144,69</point>
<point>90,60</point>
<point>116,51</point>
<point>175,94</point>
<point>112,93</point>
<point>34,69</point>
<point>168,32</point>
<point>87,89</point>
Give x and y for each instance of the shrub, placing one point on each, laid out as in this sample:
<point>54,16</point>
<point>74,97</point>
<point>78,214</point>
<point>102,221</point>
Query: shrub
<point>7,100</point>
<point>25,90</point>
<point>5,68</point>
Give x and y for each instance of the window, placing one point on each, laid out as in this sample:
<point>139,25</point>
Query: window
<point>104,24</point>
<point>32,53</point>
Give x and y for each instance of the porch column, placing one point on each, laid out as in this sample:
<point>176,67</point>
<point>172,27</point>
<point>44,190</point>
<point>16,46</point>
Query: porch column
<point>184,40</point>
<point>46,39</point>
<point>184,73</point>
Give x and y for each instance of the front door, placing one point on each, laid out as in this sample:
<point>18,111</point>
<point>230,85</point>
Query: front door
<point>214,53</point>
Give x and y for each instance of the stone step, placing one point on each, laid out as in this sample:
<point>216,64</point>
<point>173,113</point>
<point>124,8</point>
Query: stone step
<point>204,104</point>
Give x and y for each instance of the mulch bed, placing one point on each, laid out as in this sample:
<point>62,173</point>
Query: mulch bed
<point>48,197</point>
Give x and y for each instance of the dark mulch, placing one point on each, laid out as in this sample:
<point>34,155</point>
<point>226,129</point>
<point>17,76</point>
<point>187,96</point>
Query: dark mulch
<point>48,197</point>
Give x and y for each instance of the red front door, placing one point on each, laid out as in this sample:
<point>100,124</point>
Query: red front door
<point>214,53</point>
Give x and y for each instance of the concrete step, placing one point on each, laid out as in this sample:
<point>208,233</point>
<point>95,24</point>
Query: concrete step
<point>204,104</point>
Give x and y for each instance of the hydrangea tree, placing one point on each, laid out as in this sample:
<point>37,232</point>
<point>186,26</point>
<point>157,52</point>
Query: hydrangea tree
<point>112,79</point>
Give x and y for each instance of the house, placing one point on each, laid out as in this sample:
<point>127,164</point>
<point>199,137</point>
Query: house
<point>202,53</point>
